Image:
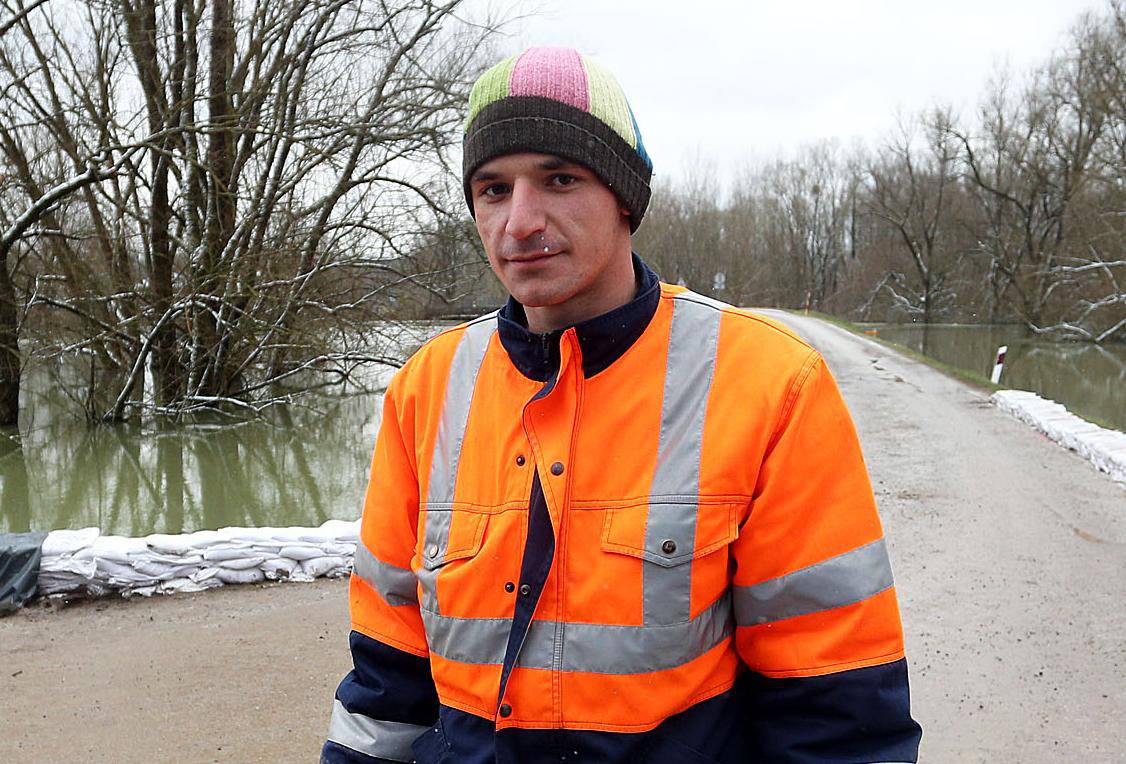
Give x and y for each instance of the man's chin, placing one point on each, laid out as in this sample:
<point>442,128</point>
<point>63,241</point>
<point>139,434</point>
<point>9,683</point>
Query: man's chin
<point>537,300</point>
<point>536,296</point>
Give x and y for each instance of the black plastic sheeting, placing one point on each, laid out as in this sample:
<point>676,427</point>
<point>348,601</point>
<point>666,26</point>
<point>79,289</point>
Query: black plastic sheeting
<point>19,568</point>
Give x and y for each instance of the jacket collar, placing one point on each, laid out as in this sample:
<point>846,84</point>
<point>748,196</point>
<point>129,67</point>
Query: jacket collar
<point>602,339</point>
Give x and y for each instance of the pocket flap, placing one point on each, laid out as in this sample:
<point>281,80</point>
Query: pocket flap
<point>451,535</point>
<point>669,533</point>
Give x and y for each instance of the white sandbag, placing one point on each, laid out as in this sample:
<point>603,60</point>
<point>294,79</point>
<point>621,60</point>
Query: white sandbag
<point>245,563</point>
<point>282,535</point>
<point>115,572</point>
<point>279,568</point>
<point>301,553</point>
<point>316,536</point>
<point>269,545</point>
<point>252,576</point>
<point>341,530</point>
<point>226,551</point>
<point>203,539</point>
<point>169,544</point>
<point>324,566</point>
<point>67,542</point>
<point>339,549</point>
<point>114,548</point>
<point>164,572</point>
<point>203,574</point>
<point>194,557</point>
<point>67,566</point>
<point>188,585</point>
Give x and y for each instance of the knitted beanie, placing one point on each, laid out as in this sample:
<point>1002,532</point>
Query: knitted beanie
<point>558,101</point>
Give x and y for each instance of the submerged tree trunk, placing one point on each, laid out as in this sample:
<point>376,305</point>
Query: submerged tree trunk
<point>9,349</point>
<point>221,197</point>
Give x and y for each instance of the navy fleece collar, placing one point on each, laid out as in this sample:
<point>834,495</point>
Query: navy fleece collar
<point>603,339</point>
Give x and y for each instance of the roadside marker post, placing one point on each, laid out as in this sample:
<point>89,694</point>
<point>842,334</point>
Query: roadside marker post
<point>999,364</point>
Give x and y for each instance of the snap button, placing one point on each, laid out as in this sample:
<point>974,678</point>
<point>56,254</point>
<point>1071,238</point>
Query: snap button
<point>668,546</point>
<point>520,460</point>
<point>432,551</point>
<point>525,590</point>
<point>505,710</point>
<point>557,469</point>
<point>509,586</point>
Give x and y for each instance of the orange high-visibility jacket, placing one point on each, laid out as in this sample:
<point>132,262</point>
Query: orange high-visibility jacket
<point>710,507</point>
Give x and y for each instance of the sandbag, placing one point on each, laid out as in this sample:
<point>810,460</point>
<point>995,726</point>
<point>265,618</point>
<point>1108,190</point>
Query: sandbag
<point>19,568</point>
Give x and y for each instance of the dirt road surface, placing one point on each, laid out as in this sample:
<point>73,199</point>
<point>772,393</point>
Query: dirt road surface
<point>1009,554</point>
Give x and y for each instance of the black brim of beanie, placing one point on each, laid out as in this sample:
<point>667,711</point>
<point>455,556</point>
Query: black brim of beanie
<point>546,126</point>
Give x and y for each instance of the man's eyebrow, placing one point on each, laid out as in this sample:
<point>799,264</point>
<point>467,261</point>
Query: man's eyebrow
<point>482,176</point>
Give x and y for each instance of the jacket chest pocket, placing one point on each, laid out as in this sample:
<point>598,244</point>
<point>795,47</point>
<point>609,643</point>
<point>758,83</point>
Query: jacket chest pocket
<point>682,547</point>
<point>448,542</point>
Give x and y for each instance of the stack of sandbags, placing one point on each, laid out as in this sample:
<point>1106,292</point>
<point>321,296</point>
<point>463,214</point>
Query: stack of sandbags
<point>85,560</point>
<point>1104,448</point>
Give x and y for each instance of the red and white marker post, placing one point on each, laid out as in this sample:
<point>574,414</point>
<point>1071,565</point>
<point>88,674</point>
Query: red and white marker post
<point>999,364</point>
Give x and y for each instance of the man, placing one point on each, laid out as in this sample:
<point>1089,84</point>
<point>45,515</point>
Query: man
<point>617,521</point>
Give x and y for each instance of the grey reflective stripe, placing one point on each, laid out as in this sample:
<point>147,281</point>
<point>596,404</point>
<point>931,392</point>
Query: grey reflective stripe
<point>640,649</point>
<point>842,580</point>
<point>587,647</point>
<point>467,640</point>
<point>435,541</point>
<point>397,586</point>
<point>468,357</point>
<point>693,343</point>
<point>384,740</point>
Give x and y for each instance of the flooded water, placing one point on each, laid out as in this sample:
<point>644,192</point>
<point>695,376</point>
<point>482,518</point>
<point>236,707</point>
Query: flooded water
<point>1090,380</point>
<point>305,464</point>
<point>296,465</point>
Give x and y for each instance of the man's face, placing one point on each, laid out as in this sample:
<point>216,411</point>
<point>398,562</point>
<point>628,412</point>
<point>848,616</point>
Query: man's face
<point>557,238</point>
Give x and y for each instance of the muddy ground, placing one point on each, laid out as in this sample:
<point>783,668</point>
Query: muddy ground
<point>1009,554</point>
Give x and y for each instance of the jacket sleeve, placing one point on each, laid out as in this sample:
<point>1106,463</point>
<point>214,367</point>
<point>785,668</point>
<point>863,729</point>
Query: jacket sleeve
<point>817,622</point>
<point>388,699</point>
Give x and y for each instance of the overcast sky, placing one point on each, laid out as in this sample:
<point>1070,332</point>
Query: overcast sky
<point>727,82</point>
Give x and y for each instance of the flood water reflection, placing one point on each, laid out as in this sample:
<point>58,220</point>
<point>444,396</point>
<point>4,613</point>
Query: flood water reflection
<point>1089,379</point>
<point>297,465</point>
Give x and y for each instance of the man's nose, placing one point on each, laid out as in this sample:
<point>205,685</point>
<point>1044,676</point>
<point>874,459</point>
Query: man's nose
<point>526,214</point>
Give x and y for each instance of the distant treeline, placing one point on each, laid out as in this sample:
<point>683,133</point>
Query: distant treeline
<point>1016,213</point>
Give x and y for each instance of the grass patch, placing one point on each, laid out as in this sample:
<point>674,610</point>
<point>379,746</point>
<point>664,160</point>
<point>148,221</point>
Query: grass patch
<point>971,378</point>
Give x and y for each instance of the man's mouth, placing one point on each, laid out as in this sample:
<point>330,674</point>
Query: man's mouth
<point>540,247</point>
<point>533,256</point>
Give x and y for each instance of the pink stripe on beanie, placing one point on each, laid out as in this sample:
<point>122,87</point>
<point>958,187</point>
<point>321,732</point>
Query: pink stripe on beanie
<point>555,73</point>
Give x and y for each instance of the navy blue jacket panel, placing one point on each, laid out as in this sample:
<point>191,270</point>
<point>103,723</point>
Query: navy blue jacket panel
<point>856,716</point>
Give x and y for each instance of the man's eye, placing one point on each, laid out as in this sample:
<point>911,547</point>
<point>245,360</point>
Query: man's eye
<point>562,179</point>
<point>494,190</point>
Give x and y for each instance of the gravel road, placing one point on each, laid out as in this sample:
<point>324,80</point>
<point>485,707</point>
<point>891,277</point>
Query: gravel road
<point>1009,554</point>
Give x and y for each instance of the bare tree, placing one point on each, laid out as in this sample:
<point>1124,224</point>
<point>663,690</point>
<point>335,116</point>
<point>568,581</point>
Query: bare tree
<point>261,169</point>
<point>1042,167</point>
<point>814,199</point>
<point>913,186</point>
